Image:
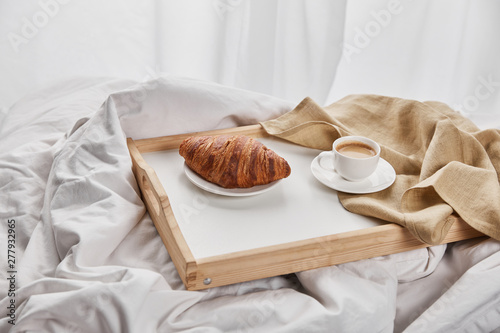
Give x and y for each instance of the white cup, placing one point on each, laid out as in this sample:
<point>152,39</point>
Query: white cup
<point>354,168</point>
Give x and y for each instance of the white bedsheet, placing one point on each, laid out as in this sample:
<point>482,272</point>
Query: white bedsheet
<point>88,257</point>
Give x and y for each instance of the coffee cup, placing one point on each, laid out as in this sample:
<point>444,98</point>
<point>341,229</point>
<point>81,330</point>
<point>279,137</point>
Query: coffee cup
<point>354,158</point>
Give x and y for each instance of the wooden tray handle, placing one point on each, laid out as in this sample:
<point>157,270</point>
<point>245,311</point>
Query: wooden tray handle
<point>149,195</point>
<point>158,205</point>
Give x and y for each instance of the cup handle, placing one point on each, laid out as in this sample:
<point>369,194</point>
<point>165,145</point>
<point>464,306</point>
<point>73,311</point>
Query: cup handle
<point>323,155</point>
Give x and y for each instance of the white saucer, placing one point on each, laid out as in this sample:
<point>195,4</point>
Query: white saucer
<point>232,192</point>
<point>381,179</point>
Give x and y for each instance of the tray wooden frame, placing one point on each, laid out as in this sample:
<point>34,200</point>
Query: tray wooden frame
<point>203,273</point>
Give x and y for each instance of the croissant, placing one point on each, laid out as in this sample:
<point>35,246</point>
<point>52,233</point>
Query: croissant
<point>233,161</point>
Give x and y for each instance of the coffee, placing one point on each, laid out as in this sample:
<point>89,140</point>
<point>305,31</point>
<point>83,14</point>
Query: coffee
<point>355,149</point>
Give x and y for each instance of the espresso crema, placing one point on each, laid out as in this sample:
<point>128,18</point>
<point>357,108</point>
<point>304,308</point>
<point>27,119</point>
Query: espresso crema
<point>355,149</point>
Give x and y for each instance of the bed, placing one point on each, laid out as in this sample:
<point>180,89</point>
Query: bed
<point>87,256</point>
<point>79,249</point>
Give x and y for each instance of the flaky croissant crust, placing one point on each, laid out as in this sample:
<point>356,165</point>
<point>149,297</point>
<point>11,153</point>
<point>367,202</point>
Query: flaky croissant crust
<point>233,161</point>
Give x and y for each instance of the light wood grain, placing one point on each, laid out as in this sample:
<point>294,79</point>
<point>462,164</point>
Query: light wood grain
<point>174,141</point>
<point>271,260</point>
<point>314,253</point>
<point>158,205</point>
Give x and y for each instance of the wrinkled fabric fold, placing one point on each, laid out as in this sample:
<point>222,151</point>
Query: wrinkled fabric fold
<point>446,167</point>
<point>90,258</point>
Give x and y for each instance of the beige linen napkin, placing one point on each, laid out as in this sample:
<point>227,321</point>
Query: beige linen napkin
<point>444,164</point>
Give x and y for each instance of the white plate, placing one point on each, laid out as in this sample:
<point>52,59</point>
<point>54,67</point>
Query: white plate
<point>381,179</point>
<point>232,192</point>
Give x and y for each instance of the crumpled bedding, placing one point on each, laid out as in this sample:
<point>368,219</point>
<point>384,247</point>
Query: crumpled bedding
<point>88,257</point>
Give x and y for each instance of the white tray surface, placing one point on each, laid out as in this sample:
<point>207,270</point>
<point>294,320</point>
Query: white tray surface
<point>298,208</point>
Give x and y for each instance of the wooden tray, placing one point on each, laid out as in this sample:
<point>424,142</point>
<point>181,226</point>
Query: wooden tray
<point>371,239</point>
